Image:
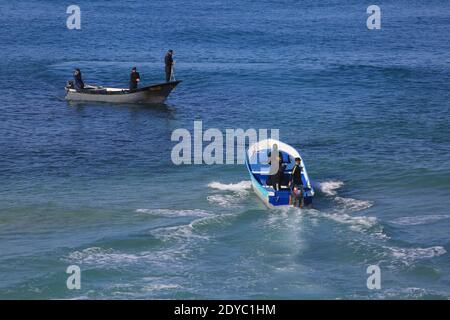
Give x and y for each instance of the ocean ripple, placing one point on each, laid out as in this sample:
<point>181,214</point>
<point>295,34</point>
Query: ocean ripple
<point>419,220</point>
<point>175,213</point>
<point>330,187</point>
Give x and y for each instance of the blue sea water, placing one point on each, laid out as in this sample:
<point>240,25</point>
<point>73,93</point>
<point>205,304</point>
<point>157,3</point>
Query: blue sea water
<point>93,184</point>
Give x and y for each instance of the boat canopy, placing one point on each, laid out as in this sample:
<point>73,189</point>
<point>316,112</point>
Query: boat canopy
<point>257,155</point>
<point>267,144</point>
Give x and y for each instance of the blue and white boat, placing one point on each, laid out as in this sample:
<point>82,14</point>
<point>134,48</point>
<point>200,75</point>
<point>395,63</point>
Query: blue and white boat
<point>257,162</point>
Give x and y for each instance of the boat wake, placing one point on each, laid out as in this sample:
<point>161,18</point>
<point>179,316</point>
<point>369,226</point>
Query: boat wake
<point>408,256</point>
<point>184,232</point>
<point>101,257</point>
<point>343,208</point>
<point>393,255</point>
<point>175,213</point>
<point>420,220</point>
<point>329,187</point>
<point>239,191</point>
<point>353,204</point>
<point>361,224</point>
<point>242,186</point>
<point>226,201</point>
<point>176,244</point>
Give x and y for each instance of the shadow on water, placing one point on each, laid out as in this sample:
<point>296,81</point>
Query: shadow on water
<point>156,108</point>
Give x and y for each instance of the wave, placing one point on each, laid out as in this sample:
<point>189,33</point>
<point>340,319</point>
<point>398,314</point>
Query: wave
<point>235,187</point>
<point>330,187</point>
<point>226,201</point>
<point>196,229</point>
<point>404,293</point>
<point>357,223</point>
<point>160,286</point>
<point>240,190</point>
<point>419,220</point>
<point>409,255</point>
<point>172,256</point>
<point>96,255</point>
<point>353,204</point>
<point>362,224</point>
<point>345,206</point>
<point>175,213</point>
<point>184,232</point>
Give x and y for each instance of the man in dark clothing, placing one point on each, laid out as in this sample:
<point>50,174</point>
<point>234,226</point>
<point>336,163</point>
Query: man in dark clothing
<point>276,178</point>
<point>168,60</point>
<point>79,84</point>
<point>296,179</point>
<point>134,79</point>
<point>296,184</point>
<point>279,157</point>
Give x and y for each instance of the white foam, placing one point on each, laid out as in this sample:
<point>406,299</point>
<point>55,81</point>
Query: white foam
<point>172,257</point>
<point>362,224</point>
<point>226,201</point>
<point>419,220</point>
<point>183,233</point>
<point>353,204</point>
<point>403,293</point>
<point>160,286</point>
<point>96,255</point>
<point>236,187</point>
<point>357,222</point>
<point>175,213</point>
<point>330,187</point>
<point>409,255</point>
<point>240,190</point>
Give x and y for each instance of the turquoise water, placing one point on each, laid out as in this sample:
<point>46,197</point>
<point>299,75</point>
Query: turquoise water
<point>94,185</point>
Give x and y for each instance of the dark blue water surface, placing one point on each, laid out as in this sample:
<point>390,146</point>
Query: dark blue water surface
<point>93,184</point>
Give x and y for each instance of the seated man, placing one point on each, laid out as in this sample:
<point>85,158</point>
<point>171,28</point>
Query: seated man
<point>296,184</point>
<point>79,84</point>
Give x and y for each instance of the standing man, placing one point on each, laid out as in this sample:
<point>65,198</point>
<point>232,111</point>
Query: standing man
<point>79,84</point>
<point>275,177</point>
<point>296,184</point>
<point>168,60</point>
<point>134,79</point>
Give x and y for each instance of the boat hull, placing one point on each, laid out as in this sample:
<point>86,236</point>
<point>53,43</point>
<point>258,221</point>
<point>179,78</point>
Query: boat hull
<point>262,193</point>
<point>148,95</point>
<point>276,199</point>
<point>258,175</point>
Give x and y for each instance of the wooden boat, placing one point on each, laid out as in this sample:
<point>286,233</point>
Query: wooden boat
<point>150,94</point>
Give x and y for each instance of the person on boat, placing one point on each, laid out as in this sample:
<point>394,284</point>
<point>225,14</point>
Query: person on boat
<point>168,60</point>
<point>276,173</point>
<point>79,84</point>
<point>134,79</point>
<point>275,157</point>
<point>278,179</point>
<point>296,184</point>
